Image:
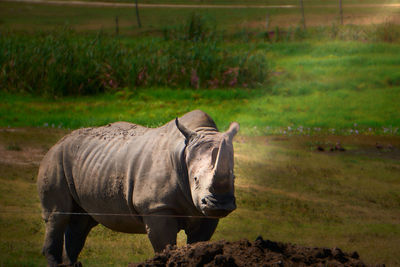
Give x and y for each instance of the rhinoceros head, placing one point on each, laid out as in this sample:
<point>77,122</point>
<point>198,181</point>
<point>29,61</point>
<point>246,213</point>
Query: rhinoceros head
<point>209,160</point>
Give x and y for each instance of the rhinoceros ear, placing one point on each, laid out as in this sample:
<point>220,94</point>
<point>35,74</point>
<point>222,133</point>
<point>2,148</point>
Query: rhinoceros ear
<point>185,131</point>
<point>232,131</point>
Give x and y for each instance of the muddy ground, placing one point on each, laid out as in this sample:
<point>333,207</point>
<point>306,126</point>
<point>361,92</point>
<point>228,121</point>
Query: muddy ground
<point>244,253</point>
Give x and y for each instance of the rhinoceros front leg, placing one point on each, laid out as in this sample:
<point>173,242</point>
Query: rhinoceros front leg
<point>201,230</point>
<point>161,231</point>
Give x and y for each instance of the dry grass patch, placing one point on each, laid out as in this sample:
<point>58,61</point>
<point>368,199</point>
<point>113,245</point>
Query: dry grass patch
<point>286,190</point>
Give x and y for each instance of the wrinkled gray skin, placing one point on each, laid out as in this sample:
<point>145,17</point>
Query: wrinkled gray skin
<point>182,168</point>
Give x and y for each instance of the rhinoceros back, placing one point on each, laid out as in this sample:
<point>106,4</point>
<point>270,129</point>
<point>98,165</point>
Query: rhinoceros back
<point>99,167</point>
<point>122,169</point>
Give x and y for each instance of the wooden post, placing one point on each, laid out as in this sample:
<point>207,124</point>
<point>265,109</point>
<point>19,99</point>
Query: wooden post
<point>116,25</point>
<point>137,14</point>
<point>303,20</point>
<point>267,22</point>
<point>341,12</point>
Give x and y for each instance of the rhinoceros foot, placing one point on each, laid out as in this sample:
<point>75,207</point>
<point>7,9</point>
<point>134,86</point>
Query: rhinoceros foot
<point>76,264</point>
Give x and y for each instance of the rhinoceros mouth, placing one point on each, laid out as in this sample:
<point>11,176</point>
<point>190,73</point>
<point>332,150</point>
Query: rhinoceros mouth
<point>218,206</point>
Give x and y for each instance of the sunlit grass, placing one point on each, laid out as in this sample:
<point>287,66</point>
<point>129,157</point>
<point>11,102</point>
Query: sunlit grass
<point>257,114</point>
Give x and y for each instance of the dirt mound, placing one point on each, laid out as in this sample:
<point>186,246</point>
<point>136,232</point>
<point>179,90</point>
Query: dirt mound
<point>244,253</point>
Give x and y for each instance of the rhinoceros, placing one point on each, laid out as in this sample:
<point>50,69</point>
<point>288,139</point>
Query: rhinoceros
<point>133,179</point>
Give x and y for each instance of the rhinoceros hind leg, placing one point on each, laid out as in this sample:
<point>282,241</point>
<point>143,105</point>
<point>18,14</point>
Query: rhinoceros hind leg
<point>54,238</point>
<point>201,231</point>
<point>77,230</point>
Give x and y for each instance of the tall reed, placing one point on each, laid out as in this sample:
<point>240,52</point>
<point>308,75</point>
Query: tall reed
<point>66,63</point>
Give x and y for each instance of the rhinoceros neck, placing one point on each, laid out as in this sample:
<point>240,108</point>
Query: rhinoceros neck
<point>161,167</point>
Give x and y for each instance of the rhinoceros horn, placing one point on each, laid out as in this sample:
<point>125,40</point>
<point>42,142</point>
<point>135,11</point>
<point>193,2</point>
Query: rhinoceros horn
<point>185,131</point>
<point>221,167</point>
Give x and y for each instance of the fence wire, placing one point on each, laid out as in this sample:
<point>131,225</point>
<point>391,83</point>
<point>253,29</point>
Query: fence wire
<point>114,214</point>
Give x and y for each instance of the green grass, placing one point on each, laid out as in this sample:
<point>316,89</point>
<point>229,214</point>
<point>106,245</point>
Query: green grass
<point>194,54</point>
<point>265,114</point>
<point>329,85</point>
<point>286,191</point>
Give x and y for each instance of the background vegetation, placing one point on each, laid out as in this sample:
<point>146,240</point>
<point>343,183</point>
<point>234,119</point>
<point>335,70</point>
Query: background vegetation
<point>63,63</point>
<point>331,86</point>
<point>293,91</point>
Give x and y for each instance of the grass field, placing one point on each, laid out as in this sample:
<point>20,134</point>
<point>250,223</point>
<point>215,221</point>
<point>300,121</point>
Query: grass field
<point>286,191</point>
<point>321,86</point>
<point>310,86</point>
<point>34,17</point>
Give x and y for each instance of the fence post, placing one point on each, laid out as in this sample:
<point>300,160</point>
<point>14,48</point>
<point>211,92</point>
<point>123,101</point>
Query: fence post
<point>341,12</point>
<point>116,25</point>
<point>303,20</point>
<point>137,14</point>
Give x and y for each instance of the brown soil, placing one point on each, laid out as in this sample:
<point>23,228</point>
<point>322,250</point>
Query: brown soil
<point>244,253</point>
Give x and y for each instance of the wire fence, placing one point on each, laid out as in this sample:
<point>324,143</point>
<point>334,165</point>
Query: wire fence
<point>114,214</point>
<point>142,17</point>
